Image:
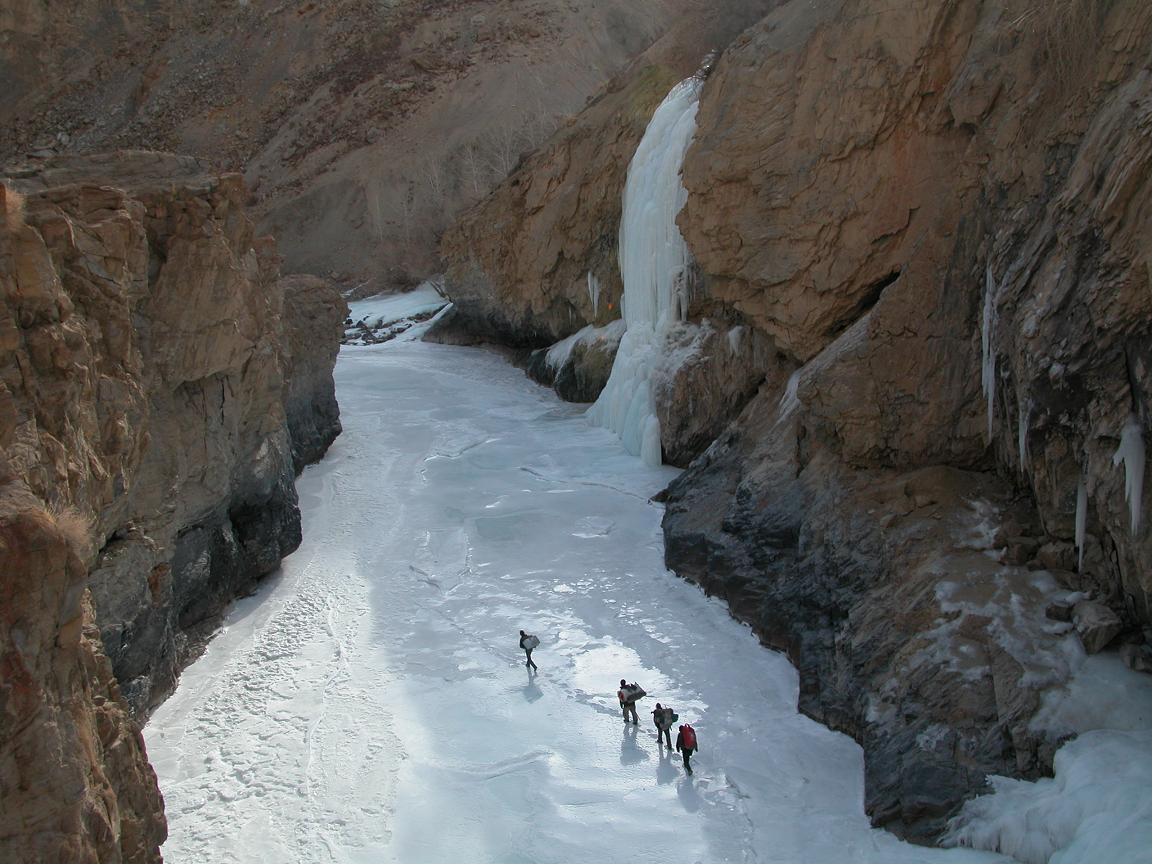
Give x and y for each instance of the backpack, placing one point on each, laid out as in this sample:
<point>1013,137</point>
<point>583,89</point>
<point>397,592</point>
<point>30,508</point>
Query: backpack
<point>688,737</point>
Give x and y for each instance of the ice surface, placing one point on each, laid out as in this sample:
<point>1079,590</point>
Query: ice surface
<point>1103,694</point>
<point>371,704</point>
<point>654,262</point>
<point>1131,453</point>
<point>1096,810</point>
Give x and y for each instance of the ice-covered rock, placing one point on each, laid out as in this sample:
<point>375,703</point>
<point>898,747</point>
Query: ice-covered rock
<point>1096,624</point>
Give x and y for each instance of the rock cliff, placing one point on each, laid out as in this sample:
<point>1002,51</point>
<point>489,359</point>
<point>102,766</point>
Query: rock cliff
<point>359,124</point>
<point>924,232</point>
<point>152,399</point>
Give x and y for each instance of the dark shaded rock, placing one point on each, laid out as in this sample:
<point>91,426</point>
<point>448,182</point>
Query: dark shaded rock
<point>1096,624</point>
<point>313,316</point>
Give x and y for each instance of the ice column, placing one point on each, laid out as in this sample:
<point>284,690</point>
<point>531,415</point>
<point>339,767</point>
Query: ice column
<point>594,293</point>
<point>654,263</point>
<point>1131,453</point>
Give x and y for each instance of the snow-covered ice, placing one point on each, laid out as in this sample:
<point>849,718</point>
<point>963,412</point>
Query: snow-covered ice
<point>371,704</point>
<point>393,313</point>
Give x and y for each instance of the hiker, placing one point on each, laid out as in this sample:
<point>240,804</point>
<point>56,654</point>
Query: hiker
<point>628,694</point>
<point>686,744</point>
<point>528,642</point>
<point>664,718</point>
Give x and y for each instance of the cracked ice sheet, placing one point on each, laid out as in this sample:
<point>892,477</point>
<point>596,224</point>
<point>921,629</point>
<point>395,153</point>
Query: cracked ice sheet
<point>371,704</point>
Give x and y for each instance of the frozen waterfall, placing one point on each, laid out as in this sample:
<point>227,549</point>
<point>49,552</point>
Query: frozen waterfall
<point>654,262</point>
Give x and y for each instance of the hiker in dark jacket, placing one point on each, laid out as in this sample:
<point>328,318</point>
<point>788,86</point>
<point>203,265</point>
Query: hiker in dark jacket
<point>686,744</point>
<point>627,696</point>
<point>662,717</point>
<point>528,642</point>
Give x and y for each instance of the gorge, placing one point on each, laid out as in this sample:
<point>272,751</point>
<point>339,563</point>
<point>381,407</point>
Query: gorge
<point>871,281</point>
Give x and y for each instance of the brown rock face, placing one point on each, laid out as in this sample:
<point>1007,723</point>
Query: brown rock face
<point>931,219</point>
<point>74,779</point>
<point>312,307</point>
<point>359,124</point>
<point>877,190</point>
<point>146,460</point>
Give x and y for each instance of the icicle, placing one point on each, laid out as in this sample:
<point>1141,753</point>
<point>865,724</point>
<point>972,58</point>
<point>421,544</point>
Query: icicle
<point>654,265</point>
<point>790,401</point>
<point>988,354</point>
<point>1081,522</point>
<point>1022,434</point>
<point>735,338</point>
<point>1131,453</point>
<point>594,293</point>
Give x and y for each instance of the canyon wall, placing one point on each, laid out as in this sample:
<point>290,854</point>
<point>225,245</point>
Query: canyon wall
<point>362,127</point>
<point>924,233</point>
<point>153,403</point>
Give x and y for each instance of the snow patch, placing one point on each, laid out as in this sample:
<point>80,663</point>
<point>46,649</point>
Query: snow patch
<point>380,318</point>
<point>559,353</point>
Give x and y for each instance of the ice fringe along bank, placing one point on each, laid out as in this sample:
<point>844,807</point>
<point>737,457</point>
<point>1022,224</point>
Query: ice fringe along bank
<point>654,266</point>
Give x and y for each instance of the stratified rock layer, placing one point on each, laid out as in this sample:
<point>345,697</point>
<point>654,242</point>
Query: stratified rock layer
<point>313,310</point>
<point>922,239</point>
<point>876,190</point>
<point>146,472</point>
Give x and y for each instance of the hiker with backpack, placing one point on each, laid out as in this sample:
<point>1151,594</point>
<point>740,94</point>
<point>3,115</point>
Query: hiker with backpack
<point>686,744</point>
<point>527,643</point>
<point>664,718</point>
<point>628,694</point>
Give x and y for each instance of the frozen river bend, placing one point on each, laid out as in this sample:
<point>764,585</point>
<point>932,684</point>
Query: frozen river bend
<point>372,705</point>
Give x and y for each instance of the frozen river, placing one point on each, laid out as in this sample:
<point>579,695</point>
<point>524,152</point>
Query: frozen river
<point>371,703</point>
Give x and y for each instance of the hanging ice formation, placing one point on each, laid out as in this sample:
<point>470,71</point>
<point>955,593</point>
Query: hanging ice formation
<point>594,293</point>
<point>988,353</point>
<point>1081,522</point>
<point>1131,453</point>
<point>654,262</point>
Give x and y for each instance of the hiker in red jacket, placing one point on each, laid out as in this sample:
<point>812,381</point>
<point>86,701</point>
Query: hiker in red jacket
<point>686,744</point>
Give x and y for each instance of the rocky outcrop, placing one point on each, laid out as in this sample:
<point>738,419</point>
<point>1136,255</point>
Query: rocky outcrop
<point>313,321</point>
<point>358,124</point>
<point>147,465</point>
<point>74,780</point>
<point>904,186</point>
<point>928,223</point>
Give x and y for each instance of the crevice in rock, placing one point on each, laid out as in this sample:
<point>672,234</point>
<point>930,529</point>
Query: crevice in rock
<point>869,298</point>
